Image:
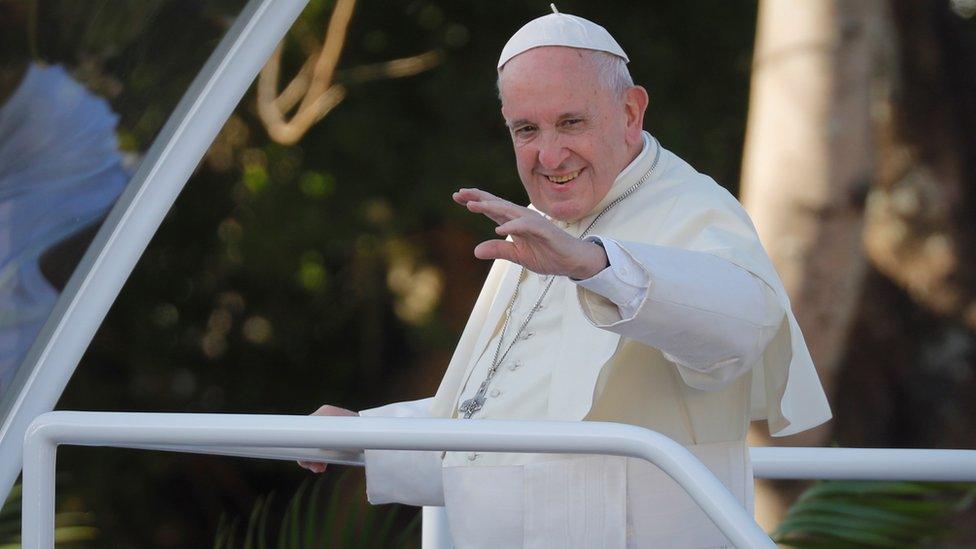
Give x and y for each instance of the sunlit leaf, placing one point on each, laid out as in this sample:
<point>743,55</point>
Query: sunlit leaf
<point>872,514</point>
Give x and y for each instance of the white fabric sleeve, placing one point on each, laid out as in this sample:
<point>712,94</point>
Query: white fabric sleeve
<point>708,316</point>
<point>624,282</point>
<point>411,477</point>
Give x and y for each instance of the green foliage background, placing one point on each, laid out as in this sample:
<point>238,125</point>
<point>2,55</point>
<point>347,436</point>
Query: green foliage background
<point>272,285</point>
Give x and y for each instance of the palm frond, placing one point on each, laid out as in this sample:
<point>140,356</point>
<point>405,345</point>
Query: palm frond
<point>310,521</point>
<point>873,514</point>
<point>69,526</point>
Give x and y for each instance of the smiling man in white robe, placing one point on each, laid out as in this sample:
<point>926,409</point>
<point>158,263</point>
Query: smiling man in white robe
<point>632,289</point>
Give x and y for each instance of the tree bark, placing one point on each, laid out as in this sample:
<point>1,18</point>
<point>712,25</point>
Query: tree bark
<point>807,166</point>
<point>919,217</point>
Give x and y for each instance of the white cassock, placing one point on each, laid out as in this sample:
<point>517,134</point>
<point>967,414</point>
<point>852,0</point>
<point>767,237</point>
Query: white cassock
<point>689,333</point>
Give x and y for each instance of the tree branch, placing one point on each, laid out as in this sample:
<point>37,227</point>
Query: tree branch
<point>313,88</point>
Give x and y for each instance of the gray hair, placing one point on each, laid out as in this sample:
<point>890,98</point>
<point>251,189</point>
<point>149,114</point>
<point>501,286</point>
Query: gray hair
<point>611,71</point>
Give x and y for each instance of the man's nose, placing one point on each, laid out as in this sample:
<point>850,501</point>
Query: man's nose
<point>552,153</point>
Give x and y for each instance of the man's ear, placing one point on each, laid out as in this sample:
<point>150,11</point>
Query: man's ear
<point>635,104</point>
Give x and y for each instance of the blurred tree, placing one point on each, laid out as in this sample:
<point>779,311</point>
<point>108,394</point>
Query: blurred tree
<point>862,127</point>
<point>914,339</point>
<point>919,229</point>
<point>809,158</point>
<point>808,162</point>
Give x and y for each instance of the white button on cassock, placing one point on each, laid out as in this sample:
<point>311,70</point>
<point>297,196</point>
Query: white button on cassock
<point>514,365</point>
<point>495,392</point>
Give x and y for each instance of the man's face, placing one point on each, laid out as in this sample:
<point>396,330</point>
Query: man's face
<point>572,135</point>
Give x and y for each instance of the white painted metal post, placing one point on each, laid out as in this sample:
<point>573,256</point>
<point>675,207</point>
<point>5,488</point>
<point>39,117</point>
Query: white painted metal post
<point>37,505</point>
<point>352,433</point>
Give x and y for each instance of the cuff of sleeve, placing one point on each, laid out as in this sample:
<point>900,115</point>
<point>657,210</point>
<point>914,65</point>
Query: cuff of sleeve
<point>623,282</point>
<point>411,477</point>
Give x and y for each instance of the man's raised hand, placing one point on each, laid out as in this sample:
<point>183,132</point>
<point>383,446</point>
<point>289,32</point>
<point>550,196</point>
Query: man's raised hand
<point>536,243</point>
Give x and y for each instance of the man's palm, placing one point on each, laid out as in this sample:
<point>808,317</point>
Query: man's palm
<point>536,243</point>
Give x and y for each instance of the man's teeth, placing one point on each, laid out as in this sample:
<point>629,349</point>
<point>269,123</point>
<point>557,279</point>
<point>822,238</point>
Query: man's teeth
<point>563,178</point>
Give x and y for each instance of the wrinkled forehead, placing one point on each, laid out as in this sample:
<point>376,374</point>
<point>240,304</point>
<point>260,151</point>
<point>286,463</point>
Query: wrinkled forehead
<point>550,68</point>
<point>550,58</point>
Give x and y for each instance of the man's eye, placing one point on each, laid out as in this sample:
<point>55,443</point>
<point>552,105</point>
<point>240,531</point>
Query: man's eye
<point>572,122</point>
<point>524,130</point>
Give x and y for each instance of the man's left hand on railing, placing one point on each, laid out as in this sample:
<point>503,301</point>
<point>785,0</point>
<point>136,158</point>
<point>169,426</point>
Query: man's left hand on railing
<point>325,410</point>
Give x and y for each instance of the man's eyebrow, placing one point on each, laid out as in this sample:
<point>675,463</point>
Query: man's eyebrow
<point>564,116</point>
<point>518,123</point>
<point>575,114</point>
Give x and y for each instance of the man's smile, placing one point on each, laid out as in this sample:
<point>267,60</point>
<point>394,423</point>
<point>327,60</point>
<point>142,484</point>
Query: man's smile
<point>564,178</point>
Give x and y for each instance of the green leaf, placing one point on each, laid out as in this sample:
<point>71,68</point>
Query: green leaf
<point>312,539</point>
<point>220,539</point>
<point>824,489</point>
<point>831,528</point>
<point>388,521</point>
<point>306,524</point>
<point>75,533</point>
<point>263,523</point>
<point>348,534</point>
<point>282,531</point>
<point>930,509</point>
<point>232,537</point>
<point>863,512</point>
<point>874,514</point>
<point>409,531</point>
<point>366,532</point>
<point>817,543</point>
<point>329,526</point>
<point>294,524</point>
<point>69,526</point>
<point>252,523</point>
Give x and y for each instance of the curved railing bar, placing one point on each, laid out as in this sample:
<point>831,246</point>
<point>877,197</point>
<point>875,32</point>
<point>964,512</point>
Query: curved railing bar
<point>864,464</point>
<point>796,462</point>
<point>283,453</point>
<point>353,433</point>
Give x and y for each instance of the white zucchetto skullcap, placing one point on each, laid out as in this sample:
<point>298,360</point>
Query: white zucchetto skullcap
<point>560,29</point>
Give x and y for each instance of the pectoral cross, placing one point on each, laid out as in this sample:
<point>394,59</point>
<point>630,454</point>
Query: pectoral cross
<point>475,403</point>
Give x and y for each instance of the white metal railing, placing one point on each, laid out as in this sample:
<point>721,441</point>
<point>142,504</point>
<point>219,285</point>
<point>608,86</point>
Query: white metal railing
<point>808,463</point>
<point>301,437</point>
<point>179,431</point>
<point>864,464</point>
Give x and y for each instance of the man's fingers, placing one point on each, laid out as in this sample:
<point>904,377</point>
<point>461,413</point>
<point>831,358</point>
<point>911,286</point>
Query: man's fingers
<point>324,410</point>
<point>463,196</point>
<point>498,209</point>
<point>477,207</point>
<point>520,226</point>
<point>312,466</point>
<point>329,410</point>
<point>495,249</point>
<point>471,197</point>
